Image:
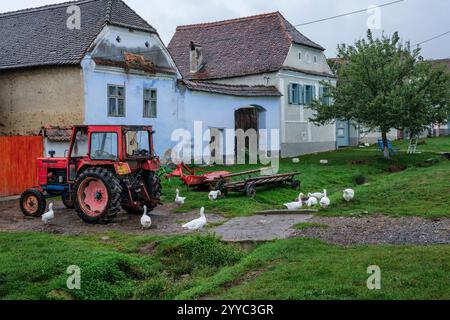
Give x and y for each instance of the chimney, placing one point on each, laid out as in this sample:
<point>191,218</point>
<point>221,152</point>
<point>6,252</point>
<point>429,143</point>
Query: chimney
<point>196,57</point>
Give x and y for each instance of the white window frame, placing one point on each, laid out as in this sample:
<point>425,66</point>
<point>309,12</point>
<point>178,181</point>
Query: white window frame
<point>150,100</point>
<point>117,99</point>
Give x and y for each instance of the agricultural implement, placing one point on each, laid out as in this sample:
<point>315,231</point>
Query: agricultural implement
<point>108,168</point>
<point>245,182</point>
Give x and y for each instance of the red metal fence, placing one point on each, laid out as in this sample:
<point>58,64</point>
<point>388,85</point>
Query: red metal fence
<point>18,165</point>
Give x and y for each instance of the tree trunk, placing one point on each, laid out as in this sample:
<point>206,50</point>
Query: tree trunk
<point>385,143</point>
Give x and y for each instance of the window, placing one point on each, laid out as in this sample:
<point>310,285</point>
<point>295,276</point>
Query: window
<point>299,55</point>
<point>324,96</point>
<point>315,59</point>
<point>103,146</point>
<point>150,103</point>
<point>116,101</point>
<point>80,146</point>
<point>295,93</point>
<point>310,94</point>
<point>138,143</point>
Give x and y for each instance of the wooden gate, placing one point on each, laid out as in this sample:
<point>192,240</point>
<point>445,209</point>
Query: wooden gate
<point>18,165</point>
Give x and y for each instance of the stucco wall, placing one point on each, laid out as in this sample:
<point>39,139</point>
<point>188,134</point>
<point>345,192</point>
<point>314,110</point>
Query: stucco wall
<point>34,98</point>
<point>307,59</point>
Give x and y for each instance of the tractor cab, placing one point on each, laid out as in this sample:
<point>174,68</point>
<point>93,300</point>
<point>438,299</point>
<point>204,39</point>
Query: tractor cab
<point>108,168</point>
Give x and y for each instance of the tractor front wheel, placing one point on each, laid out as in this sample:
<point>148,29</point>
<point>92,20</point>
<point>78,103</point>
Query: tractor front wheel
<point>33,203</point>
<point>97,195</point>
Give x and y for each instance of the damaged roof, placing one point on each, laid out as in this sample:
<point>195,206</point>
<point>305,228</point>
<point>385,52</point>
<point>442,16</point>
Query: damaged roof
<point>40,36</point>
<point>233,90</point>
<point>238,47</point>
<point>57,134</point>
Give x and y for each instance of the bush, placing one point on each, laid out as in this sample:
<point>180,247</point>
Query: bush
<point>197,251</point>
<point>359,179</point>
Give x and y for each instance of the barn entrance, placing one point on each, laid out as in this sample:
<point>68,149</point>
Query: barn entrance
<point>249,119</point>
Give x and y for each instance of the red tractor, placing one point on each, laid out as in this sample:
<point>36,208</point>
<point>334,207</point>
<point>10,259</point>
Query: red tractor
<point>107,168</point>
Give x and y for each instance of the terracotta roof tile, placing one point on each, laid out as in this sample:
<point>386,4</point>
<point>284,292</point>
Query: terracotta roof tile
<point>40,37</point>
<point>233,90</point>
<point>238,47</point>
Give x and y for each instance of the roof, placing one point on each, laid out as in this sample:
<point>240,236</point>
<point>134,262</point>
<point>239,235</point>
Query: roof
<point>442,62</point>
<point>132,61</point>
<point>57,134</point>
<point>233,90</point>
<point>40,36</point>
<point>238,47</point>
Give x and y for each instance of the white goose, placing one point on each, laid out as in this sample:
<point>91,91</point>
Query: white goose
<point>349,195</point>
<point>197,224</point>
<point>179,200</point>
<point>311,202</point>
<point>325,201</point>
<point>48,216</point>
<point>295,205</point>
<point>214,195</point>
<point>146,221</point>
<point>317,195</point>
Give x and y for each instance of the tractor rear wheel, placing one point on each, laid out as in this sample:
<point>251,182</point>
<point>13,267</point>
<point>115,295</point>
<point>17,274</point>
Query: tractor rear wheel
<point>97,195</point>
<point>33,203</point>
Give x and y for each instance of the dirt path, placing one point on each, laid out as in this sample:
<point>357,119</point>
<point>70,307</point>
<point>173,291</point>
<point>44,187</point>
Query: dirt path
<point>379,229</point>
<point>345,231</point>
<point>260,228</point>
<point>67,222</point>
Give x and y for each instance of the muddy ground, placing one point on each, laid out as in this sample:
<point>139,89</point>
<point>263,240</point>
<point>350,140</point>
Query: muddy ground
<point>67,221</point>
<point>346,231</point>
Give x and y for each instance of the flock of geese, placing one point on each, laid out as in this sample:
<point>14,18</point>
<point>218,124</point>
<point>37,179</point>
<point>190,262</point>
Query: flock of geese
<point>311,200</point>
<point>316,199</point>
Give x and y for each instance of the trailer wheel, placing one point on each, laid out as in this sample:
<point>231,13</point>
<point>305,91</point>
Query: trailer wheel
<point>33,203</point>
<point>68,203</point>
<point>98,195</point>
<point>250,190</point>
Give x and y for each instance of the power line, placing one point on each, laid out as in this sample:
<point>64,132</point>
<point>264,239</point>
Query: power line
<point>347,14</point>
<point>431,39</point>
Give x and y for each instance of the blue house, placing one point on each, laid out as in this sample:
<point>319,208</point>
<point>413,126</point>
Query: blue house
<point>114,69</point>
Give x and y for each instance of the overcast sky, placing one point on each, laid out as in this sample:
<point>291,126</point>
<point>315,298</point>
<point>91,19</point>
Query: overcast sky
<point>416,20</point>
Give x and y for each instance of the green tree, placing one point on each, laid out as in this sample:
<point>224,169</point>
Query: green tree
<point>383,85</point>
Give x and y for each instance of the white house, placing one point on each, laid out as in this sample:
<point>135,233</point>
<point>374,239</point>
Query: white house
<point>251,73</point>
<point>263,50</point>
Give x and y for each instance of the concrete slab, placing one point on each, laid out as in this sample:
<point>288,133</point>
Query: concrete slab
<point>260,227</point>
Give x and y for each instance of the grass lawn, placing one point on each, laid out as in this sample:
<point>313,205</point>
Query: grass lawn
<point>33,266</point>
<point>420,190</point>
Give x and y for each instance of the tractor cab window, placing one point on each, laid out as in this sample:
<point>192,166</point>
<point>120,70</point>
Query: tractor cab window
<point>104,146</point>
<point>138,144</point>
<point>80,146</point>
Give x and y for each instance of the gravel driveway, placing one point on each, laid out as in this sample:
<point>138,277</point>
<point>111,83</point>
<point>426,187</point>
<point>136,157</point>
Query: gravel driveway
<point>379,229</point>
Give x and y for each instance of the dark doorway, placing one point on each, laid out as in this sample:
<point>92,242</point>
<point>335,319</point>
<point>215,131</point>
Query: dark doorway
<point>246,119</point>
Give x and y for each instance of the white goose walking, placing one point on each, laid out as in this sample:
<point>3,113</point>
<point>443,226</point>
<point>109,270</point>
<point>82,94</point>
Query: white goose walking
<point>349,195</point>
<point>295,205</point>
<point>325,201</point>
<point>179,200</point>
<point>197,224</point>
<point>146,221</point>
<point>48,216</point>
<point>214,195</point>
